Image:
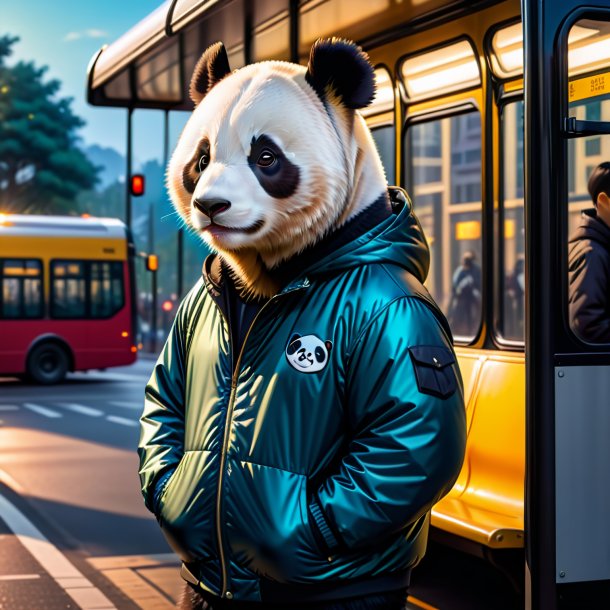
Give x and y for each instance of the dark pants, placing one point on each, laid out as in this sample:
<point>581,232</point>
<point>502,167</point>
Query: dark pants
<point>193,599</point>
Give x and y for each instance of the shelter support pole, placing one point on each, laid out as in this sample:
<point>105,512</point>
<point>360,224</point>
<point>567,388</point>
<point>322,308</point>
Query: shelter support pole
<point>153,302</point>
<point>128,169</point>
<point>180,236</point>
<point>293,16</point>
<point>541,208</point>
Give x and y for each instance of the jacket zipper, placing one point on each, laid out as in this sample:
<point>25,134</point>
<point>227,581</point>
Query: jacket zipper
<point>225,592</point>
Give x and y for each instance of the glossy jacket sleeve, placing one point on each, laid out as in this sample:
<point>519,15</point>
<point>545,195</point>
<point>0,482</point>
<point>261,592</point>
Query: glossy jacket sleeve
<point>161,444</point>
<point>589,295</point>
<point>407,447</point>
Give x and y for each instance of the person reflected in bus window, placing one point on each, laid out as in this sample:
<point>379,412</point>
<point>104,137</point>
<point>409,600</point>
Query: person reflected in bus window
<point>465,307</point>
<point>589,263</point>
<point>515,304</point>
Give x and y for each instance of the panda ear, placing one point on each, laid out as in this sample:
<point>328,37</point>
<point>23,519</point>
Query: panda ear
<point>329,345</point>
<point>294,337</point>
<point>212,66</point>
<point>341,68</point>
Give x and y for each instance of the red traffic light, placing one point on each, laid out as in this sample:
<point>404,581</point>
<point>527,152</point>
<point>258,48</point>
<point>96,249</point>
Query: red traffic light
<point>167,306</point>
<point>137,185</point>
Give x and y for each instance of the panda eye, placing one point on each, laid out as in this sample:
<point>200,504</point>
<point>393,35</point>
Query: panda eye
<point>266,158</point>
<point>204,160</point>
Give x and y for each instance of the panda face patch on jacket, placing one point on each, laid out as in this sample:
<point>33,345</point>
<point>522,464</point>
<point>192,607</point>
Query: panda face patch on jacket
<point>275,155</point>
<point>308,354</point>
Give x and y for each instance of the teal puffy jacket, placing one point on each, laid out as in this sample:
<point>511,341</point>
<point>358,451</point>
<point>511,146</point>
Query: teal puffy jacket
<point>275,482</point>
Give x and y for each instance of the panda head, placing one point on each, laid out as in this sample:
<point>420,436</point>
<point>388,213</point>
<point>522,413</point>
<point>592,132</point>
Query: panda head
<point>308,354</point>
<point>275,155</point>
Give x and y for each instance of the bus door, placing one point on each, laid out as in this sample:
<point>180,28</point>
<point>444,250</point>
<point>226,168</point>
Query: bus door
<point>567,136</point>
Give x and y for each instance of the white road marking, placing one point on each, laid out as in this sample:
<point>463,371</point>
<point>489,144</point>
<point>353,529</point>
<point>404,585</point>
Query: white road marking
<point>82,409</point>
<point>8,407</point>
<point>41,410</point>
<point>109,377</point>
<point>52,560</point>
<point>19,576</point>
<point>121,420</point>
<point>127,405</point>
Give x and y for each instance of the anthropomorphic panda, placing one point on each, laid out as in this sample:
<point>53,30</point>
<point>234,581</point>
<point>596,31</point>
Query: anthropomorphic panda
<point>306,411</point>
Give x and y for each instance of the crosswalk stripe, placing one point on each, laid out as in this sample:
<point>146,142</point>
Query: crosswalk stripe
<point>128,405</point>
<point>19,576</point>
<point>121,420</point>
<point>8,407</point>
<point>41,410</point>
<point>82,409</point>
<point>54,562</point>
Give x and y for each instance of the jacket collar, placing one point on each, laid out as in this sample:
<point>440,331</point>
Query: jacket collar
<point>289,273</point>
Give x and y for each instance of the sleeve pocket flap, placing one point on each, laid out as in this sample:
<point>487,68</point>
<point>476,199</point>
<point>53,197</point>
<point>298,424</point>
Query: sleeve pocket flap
<point>433,371</point>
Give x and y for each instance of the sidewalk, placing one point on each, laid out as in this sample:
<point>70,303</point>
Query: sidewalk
<point>37,575</point>
<point>24,584</point>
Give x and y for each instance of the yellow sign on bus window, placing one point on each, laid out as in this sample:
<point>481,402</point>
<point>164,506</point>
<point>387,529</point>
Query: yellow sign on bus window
<point>589,86</point>
<point>468,229</point>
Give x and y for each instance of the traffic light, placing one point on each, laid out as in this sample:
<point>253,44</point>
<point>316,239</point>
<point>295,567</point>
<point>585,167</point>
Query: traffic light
<point>137,185</point>
<point>152,262</point>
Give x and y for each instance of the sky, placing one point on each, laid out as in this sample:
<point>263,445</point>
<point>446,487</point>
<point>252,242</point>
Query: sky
<point>64,35</point>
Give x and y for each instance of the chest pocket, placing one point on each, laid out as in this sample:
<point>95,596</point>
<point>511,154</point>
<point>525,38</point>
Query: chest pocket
<point>433,370</point>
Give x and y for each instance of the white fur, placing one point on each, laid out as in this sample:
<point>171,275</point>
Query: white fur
<point>340,169</point>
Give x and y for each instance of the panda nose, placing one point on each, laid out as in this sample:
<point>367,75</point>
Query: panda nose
<point>211,207</point>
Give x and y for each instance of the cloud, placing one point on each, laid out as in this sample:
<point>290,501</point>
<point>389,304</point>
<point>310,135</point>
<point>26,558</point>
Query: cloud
<point>90,33</point>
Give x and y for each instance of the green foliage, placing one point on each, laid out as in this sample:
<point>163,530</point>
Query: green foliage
<point>108,203</point>
<point>42,170</point>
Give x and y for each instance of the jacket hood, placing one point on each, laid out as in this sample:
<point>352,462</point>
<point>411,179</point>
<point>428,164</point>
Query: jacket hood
<point>398,239</point>
<point>593,228</point>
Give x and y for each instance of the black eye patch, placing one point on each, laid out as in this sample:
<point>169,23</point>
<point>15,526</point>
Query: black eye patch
<point>293,347</point>
<point>320,354</point>
<point>191,171</point>
<point>279,178</point>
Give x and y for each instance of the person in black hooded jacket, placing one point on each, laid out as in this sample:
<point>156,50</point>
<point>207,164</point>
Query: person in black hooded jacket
<point>589,263</point>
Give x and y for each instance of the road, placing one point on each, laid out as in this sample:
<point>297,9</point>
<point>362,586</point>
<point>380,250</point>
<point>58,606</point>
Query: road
<point>68,466</point>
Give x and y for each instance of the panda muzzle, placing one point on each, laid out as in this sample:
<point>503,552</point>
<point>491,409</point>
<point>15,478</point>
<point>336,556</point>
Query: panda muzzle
<point>211,207</point>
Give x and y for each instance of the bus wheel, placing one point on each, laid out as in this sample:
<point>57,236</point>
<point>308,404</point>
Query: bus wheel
<point>48,363</point>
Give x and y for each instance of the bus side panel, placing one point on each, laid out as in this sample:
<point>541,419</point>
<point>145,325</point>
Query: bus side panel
<point>99,344</point>
<point>102,343</point>
<point>16,335</point>
<point>93,344</point>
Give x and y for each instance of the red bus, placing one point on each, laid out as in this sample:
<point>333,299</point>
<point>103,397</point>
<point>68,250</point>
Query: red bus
<point>67,295</point>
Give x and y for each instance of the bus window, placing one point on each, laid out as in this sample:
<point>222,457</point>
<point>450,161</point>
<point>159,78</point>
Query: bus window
<point>68,289</point>
<point>384,140</point>
<point>444,165</point>
<point>86,289</point>
<point>512,263</point>
<point>106,288</point>
<point>21,295</point>
<point>588,181</point>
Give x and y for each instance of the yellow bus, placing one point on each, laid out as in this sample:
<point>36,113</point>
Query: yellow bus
<point>492,114</point>
<point>67,296</point>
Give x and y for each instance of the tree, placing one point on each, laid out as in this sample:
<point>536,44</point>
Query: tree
<point>108,202</point>
<point>42,170</point>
